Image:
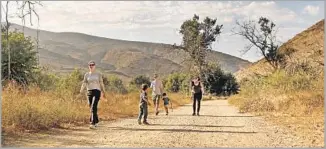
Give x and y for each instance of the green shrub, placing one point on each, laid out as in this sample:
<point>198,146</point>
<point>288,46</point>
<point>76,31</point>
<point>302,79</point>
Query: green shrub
<point>46,81</point>
<point>69,85</point>
<point>216,81</point>
<point>114,84</point>
<point>23,60</point>
<point>177,82</point>
<point>138,81</point>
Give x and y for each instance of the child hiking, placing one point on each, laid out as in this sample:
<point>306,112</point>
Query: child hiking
<point>166,101</point>
<point>143,105</point>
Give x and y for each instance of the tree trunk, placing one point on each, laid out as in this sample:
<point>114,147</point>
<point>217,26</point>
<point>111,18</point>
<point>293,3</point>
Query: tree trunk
<point>7,38</point>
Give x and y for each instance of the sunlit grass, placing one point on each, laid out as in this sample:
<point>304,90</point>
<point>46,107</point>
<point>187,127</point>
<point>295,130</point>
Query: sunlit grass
<point>40,110</point>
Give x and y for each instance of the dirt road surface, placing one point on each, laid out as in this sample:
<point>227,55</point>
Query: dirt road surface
<point>220,125</point>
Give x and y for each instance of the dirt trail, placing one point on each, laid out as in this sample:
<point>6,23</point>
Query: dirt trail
<point>220,125</point>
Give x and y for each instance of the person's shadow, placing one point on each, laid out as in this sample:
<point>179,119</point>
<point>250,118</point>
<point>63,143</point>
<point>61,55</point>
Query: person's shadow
<point>214,115</point>
<point>183,125</point>
<point>179,130</point>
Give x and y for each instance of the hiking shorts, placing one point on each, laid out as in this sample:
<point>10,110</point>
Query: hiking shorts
<point>156,99</point>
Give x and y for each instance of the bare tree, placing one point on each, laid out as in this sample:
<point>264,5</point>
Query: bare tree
<point>7,38</point>
<point>262,37</point>
<point>27,9</point>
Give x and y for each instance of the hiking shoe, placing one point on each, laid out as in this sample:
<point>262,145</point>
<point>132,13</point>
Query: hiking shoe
<point>197,114</point>
<point>146,123</point>
<point>96,125</point>
<point>92,127</point>
<point>193,114</point>
<point>157,113</point>
<point>167,114</point>
<point>139,122</point>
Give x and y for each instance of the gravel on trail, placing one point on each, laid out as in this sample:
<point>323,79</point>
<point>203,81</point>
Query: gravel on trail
<point>219,125</point>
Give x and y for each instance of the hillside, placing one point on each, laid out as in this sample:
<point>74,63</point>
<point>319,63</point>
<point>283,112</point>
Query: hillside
<point>64,51</point>
<point>292,97</point>
<point>306,47</point>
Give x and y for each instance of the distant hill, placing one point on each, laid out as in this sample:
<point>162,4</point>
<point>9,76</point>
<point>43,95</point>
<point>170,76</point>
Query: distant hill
<point>65,51</point>
<point>307,47</point>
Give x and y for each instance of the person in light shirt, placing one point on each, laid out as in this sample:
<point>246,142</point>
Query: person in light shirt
<point>93,81</point>
<point>157,90</point>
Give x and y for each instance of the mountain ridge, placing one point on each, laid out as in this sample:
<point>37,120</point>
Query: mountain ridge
<point>64,51</point>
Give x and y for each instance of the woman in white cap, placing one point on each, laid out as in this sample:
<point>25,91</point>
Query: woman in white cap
<point>93,81</point>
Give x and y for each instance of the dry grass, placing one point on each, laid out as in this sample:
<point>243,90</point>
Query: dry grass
<point>37,110</point>
<point>118,106</point>
<point>296,94</point>
<point>294,101</point>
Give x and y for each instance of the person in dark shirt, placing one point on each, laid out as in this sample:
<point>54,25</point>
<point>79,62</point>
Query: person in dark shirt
<point>197,90</point>
<point>166,101</point>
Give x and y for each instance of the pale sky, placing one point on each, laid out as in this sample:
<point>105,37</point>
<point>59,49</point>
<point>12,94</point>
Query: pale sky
<point>159,21</point>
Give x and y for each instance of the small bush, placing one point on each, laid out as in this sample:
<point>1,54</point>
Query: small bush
<point>44,80</point>
<point>138,81</point>
<point>114,84</point>
<point>218,82</point>
<point>69,85</point>
<point>177,82</point>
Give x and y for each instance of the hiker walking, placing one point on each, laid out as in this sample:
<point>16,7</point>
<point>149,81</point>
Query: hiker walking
<point>166,101</point>
<point>197,90</point>
<point>93,81</point>
<point>157,91</point>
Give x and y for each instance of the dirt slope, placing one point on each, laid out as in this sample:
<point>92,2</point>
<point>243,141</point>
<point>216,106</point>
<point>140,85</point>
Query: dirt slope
<point>307,46</point>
